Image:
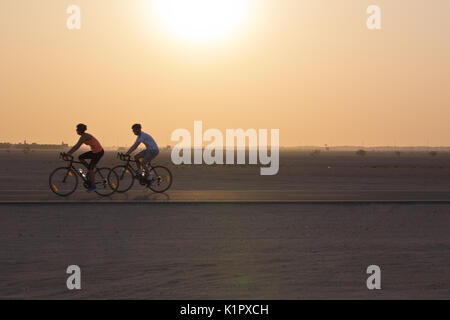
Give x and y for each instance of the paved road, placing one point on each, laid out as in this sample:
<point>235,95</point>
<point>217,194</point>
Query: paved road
<point>231,196</point>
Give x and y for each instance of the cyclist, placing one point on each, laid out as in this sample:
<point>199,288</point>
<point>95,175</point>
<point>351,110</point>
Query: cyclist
<point>145,156</point>
<point>94,155</point>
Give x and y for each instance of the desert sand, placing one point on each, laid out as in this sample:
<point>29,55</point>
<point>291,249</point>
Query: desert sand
<point>231,251</point>
<point>325,219</point>
<point>327,176</point>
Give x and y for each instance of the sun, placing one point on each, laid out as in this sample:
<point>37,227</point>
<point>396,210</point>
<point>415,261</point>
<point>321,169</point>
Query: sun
<point>201,20</point>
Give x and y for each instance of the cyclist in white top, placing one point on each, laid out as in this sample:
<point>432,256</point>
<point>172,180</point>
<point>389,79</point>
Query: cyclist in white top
<point>145,156</point>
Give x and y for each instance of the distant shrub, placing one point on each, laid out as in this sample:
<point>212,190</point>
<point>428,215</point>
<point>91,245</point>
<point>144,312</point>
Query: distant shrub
<point>361,152</point>
<point>433,153</point>
<point>315,152</point>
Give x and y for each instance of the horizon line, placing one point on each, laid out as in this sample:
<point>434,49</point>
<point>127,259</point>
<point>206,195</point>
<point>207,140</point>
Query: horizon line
<point>248,147</point>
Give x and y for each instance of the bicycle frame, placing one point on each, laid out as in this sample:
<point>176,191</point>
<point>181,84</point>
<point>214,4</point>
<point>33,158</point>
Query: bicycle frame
<point>150,169</point>
<point>71,166</point>
<point>128,161</point>
<point>102,178</point>
<point>128,165</point>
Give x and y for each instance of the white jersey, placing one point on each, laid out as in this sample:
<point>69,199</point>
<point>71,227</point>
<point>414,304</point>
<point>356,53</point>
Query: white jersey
<point>147,140</point>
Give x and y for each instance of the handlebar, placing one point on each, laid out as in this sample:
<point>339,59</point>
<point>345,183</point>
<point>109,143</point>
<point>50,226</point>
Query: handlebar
<point>124,157</point>
<point>65,156</point>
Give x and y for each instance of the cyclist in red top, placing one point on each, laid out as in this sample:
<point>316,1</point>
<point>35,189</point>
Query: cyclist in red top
<point>94,155</point>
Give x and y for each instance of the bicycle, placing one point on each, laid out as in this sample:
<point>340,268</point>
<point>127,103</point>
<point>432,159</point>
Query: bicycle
<point>63,181</point>
<point>161,177</point>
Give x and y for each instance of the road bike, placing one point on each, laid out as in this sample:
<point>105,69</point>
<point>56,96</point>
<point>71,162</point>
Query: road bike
<point>63,181</point>
<point>160,177</point>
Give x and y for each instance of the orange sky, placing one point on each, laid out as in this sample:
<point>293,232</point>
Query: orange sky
<point>309,68</point>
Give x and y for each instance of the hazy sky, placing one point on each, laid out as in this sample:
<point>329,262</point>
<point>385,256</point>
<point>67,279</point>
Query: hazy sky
<point>309,68</point>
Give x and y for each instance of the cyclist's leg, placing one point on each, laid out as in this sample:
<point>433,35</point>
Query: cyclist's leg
<point>91,173</point>
<point>84,156</point>
<point>94,161</point>
<point>138,158</point>
<point>145,166</point>
<point>149,156</point>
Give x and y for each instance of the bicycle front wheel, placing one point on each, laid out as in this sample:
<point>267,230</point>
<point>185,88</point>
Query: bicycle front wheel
<point>106,181</point>
<point>161,179</point>
<point>126,178</point>
<point>63,181</point>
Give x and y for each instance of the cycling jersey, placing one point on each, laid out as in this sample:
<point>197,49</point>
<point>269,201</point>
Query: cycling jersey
<point>96,147</point>
<point>147,140</point>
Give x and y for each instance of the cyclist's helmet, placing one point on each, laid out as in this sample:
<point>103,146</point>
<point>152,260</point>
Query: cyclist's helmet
<point>136,126</point>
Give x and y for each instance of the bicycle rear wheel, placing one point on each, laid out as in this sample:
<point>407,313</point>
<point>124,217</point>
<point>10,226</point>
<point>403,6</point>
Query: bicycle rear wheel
<point>106,181</point>
<point>162,179</point>
<point>63,181</point>
<point>126,178</point>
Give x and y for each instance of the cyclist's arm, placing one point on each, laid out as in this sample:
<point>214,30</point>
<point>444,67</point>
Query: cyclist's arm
<point>82,139</point>
<point>133,147</point>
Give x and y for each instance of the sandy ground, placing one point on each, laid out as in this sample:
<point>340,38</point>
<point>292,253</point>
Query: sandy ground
<point>147,246</point>
<point>232,251</point>
<point>328,176</point>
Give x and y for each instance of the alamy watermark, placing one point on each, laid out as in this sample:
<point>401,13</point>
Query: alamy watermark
<point>74,20</point>
<point>374,20</point>
<point>235,142</point>
<point>374,280</point>
<point>74,280</point>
